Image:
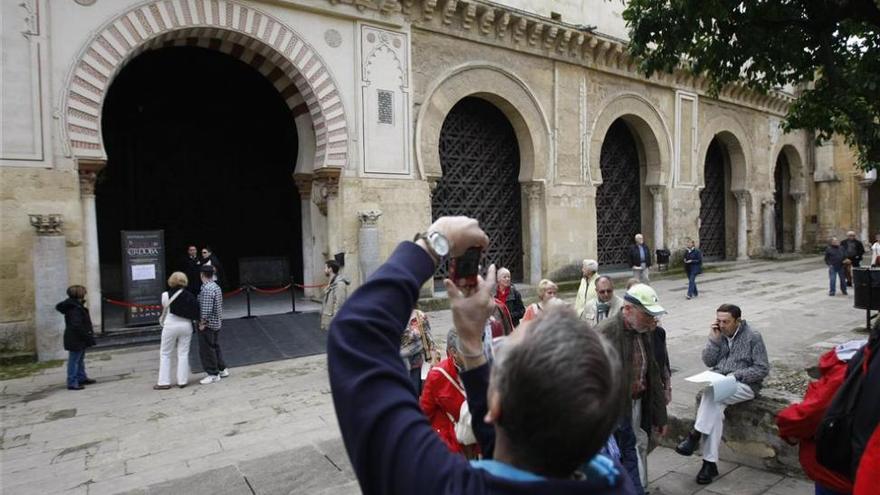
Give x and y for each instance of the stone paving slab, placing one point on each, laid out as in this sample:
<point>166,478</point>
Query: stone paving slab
<point>275,421</point>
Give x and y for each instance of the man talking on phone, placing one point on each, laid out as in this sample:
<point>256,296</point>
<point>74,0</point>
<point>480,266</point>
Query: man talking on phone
<point>530,446</point>
<point>734,349</point>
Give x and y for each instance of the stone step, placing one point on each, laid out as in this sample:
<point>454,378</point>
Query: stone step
<point>128,337</point>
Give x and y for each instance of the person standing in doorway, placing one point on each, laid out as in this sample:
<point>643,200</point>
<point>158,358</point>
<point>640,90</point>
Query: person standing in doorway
<point>854,250</point>
<point>211,312</point>
<point>640,259</point>
<point>334,294</point>
<point>587,289</point>
<point>211,259</point>
<point>507,293</point>
<point>78,336</point>
<point>693,266</point>
<point>834,256</point>
<point>191,265</point>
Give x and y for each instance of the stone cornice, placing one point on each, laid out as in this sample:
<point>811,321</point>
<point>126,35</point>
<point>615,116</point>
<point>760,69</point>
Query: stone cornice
<point>490,23</point>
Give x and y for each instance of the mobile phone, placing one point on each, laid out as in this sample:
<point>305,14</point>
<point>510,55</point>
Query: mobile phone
<point>463,270</point>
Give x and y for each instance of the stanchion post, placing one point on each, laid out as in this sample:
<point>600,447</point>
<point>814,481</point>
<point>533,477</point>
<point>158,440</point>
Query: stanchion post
<point>103,313</point>
<point>247,290</point>
<point>292,297</point>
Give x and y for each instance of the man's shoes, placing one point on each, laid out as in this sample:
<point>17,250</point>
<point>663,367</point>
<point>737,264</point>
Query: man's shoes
<point>210,379</point>
<point>845,293</point>
<point>88,381</point>
<point>161,387</point>
<point>831,294</point>
<point>848,284</point>
<point>688,298</point>
<point>78,387</point>
<point>224,372</point>
<point>689,444</point>
<point>707,473</point>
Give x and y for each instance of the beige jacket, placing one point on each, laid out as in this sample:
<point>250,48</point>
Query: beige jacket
<point>334,296</point>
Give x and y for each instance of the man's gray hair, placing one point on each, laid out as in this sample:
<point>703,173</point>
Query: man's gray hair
<point>452,339</point>
<point>591,265</point>
<point>575,374</point>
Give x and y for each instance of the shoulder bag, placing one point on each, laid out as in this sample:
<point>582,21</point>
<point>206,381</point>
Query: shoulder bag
<point>167,307</point>
<point>464,433</point>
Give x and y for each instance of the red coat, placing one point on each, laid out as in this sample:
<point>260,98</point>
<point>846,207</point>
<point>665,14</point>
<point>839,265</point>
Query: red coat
<point>440,397</point>
<point>868,474</point>
<point>800,421</point>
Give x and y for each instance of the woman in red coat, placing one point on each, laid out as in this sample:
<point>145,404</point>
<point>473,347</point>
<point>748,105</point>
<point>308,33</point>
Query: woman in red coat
<point>443,395</point>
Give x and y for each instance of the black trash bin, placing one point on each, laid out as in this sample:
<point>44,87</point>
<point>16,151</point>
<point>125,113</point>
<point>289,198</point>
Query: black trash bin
<point>866,283</point>
<point>662,259</point>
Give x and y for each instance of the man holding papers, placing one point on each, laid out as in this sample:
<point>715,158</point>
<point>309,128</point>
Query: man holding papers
<point>735,351</point>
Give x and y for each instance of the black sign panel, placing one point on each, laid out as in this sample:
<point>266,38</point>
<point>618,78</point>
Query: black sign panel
<point>143,274</point>
<point>264,271</point>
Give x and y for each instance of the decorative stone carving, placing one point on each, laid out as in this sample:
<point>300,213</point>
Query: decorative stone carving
<point>332,38</point>
<point>449,11</point>
<point>368,242</point>
<point>303,185</point>
<point>50,224</point>
<point>31,19</point>
<point>468,19</point>
<point>369,218</point>
<point>325,187</point>
<point>88,175</point>
<point>534,191</point>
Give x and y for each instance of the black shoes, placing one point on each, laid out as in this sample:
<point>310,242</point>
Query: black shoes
<point>78,387</point>
<point>88,381</point>
<point>689,444</point>
<point>707,473</point>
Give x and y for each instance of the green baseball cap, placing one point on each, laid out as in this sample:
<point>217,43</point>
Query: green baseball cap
<point>645,297</point>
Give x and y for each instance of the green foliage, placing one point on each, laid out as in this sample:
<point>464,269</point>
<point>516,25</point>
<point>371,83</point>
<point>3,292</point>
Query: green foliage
<point>21,370</point>
<point>828,49</point>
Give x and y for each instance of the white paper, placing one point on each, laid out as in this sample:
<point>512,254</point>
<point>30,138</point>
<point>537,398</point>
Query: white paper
<point>143,272</point>
<point>722,386</point>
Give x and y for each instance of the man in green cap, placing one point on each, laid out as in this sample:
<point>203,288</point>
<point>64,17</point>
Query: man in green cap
<point>642,401</point>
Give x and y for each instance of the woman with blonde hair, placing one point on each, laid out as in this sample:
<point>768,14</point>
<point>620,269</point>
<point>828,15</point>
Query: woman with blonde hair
<point>547,291</point>
<point>179,309</point>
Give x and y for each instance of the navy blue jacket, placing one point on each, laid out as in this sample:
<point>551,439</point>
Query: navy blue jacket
<point>696,258</point>
<point>392,447</point>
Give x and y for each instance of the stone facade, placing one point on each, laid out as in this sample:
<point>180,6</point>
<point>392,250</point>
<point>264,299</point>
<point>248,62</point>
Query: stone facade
<point>369,83</point>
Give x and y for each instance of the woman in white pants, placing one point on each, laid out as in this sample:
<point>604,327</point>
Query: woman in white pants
<point>179,308</point>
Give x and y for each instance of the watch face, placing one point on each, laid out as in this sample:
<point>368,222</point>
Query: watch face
<point>439,243</point>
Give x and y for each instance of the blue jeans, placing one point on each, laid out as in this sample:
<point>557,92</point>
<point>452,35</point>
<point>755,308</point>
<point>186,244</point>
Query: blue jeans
<point>629,458</point>
<point>692,283</point>
<point>76,368</point>
<point>821,490</point>
<point>833,274</point>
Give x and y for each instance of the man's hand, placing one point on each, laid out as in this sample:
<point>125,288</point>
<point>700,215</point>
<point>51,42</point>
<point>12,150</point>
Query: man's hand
<point>202,325</point>
<point>715,333</point>
<point>463,233</point>
<point>469,315</point>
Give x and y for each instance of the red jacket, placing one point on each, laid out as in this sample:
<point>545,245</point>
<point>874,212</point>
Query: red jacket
<point>440,397</point>
<point>800,421</point>
<point>868,474</point>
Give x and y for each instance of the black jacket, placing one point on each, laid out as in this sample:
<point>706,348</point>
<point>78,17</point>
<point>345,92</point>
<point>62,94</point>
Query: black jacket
<point>78,332</point>
<point>191,267</point>
<point>218,268</point>
<point>834,256</point>
<point>635,259</point>
<point>185,306</point>
<point>866,412</point>
<point>515,305</point>
<point>853,249</point>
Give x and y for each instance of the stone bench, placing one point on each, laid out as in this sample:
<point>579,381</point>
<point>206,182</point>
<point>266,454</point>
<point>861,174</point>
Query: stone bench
<point>750,433</point>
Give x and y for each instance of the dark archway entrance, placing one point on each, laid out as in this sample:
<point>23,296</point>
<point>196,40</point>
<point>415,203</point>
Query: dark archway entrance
<point>479,156</point>
<point>783,210</point>
<point>201,145</point>
<point>618,199</point>
<point>713,205</point>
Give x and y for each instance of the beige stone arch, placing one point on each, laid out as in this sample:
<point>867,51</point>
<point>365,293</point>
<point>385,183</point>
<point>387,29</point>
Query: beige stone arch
<point>503,89</point>
<point>272,47</point>
<point>649,129</point>
<point>735,142</point>
<point>790,145</point>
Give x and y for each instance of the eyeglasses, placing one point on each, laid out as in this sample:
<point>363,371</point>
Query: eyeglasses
<point>204,252</point>
<point>609,291</point>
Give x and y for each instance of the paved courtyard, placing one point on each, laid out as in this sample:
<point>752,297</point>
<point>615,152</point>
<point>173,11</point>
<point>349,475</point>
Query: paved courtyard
<point>270,428</point>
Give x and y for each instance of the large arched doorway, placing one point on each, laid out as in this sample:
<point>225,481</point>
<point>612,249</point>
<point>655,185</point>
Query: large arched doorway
<point>618,199</point>
<point>783,207</point>
<point>202,145</point>
<point>713,204</point>
<point>479,157</point>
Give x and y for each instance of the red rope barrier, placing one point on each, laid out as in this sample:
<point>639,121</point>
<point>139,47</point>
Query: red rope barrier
<point>317,286</point>
<point>271,291</point>
<point>234,293</point>
<point>132,305</point>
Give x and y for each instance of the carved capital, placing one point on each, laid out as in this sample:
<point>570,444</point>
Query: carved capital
<point>88,175</point>
<point>50,224</point>
<point>369,218</point>
<point>798,196</point>
<point>657,191</point>
<point>303,185</point>
<point>325,187</point>
<point>769,202</point>
<point>534,190</point>
<point>741,196</point>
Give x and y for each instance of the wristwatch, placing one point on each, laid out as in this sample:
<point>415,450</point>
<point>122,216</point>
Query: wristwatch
<point>437,243</point>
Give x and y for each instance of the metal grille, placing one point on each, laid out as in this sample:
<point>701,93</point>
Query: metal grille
<point>618,199</point>
<point>780,176</point>
<point>479,156</point>
<point>386,107</point>
<point>712,215</point>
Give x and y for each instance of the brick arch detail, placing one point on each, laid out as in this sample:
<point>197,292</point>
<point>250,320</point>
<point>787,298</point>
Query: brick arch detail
<point>295,69</point>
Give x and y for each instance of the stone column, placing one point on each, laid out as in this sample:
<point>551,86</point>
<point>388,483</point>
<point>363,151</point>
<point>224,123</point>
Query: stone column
<point>88,173</point>
<point>659,220</point>
<point>769,227</point>
<point>798,220</point>
<point>326,195</point>
<point>304,186</point>
<point>864,203</point>
<point>742,225</point>
<point>50,285</point>
<point>535,194</point>
<point>368,242</point>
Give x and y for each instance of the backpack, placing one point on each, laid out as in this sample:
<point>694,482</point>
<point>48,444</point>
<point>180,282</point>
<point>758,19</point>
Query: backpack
<point>834,436</point>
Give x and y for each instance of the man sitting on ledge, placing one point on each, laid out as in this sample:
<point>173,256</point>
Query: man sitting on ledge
<point>732,349</point>
<point>548,407</point>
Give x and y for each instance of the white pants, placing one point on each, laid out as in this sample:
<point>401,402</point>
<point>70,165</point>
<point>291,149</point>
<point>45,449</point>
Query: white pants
<point>641,441</point>
<point>176,332</point>
<point>710,417</point>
